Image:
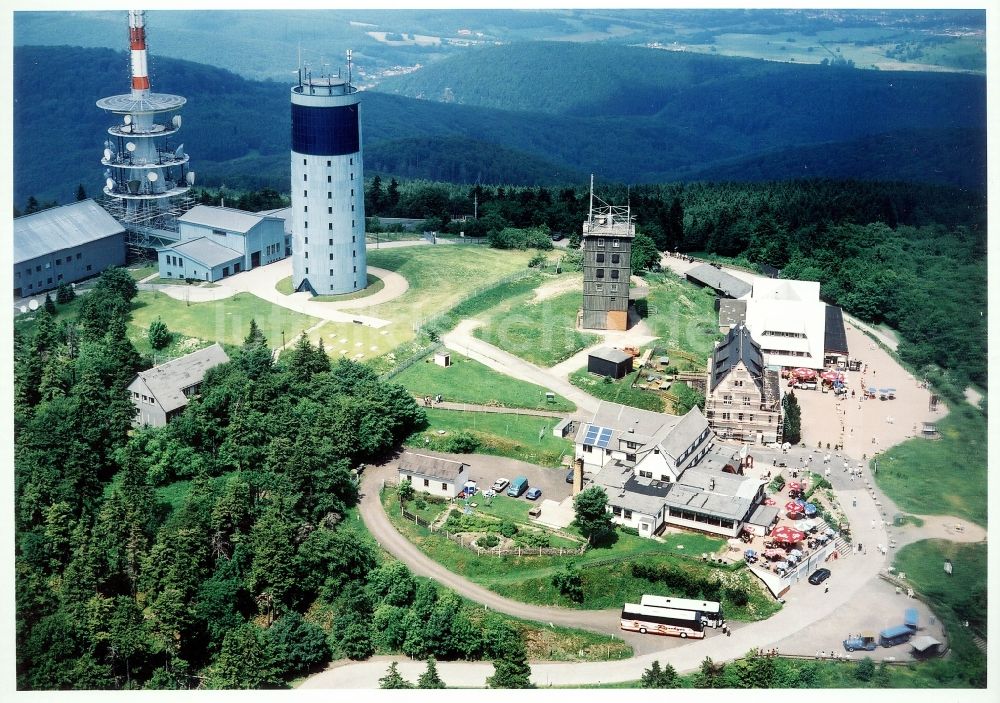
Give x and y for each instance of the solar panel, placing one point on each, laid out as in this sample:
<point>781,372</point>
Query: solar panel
<point>591,435</point>
<point>605,437</point>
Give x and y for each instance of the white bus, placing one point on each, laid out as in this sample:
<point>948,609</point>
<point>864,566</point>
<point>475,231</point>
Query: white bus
<point>708,611</point>
<point>661,621</point>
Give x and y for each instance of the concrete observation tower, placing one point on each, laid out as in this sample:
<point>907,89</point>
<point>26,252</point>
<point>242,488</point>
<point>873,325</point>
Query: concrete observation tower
<point>146,174</point>
<point>328,204</point>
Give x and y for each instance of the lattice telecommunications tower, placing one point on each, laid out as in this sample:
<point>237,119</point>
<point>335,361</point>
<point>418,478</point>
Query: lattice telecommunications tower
<point>146,176</point>
<point>607,264</point>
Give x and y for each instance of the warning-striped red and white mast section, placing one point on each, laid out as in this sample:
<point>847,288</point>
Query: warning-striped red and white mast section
<point>137,44</point>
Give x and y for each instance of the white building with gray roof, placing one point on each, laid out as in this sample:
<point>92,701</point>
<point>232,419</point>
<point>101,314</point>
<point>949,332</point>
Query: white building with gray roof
<point>216,242</point>
<point>660,469</point>
<point>431,473</point>
<point>64,244</point>
<point>160,393</point>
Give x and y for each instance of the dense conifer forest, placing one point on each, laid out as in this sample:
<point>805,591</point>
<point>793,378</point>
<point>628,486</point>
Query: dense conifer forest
<point>215,551</point>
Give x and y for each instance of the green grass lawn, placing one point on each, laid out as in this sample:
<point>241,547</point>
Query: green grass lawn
<point>468,381</point>
<point>620,391</point>
<point>946,476</point>
<point>375,284</point>
<point>684,317</point>
<point>525,437</point>
<point>141,272</point>
<point>542,332</point>
<point>440,277</point>
<point>226,321</point>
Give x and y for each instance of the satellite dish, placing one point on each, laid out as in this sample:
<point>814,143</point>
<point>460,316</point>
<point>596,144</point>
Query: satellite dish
<point>130,146</point>
<point>179,151</point>
<point>176,122</point>
<point>133,186</point>
<point>23,308</point>
<point>152,176</point>
<point>107,154</point>
<point>110,183</point>
<point>108,144</point>
<point>190,178</point>
<point>32,304</point>
<point>128,119</point>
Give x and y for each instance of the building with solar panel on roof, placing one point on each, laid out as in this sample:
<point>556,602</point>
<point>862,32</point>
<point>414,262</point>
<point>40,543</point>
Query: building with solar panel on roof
<point>660,469</point>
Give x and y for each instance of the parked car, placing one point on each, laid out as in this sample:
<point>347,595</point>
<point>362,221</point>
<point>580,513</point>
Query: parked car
<point>533,494</point>
<point>819,576</point>
<point>500,484</point>
<point>518,486</point>
<point>865,640</point>
<point>569,475</point>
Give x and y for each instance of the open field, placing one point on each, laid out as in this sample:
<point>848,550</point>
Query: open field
<point>468,381</point>
<point>440,277</point>
<point>542,332</point>
<point>619,391</point>
<point>194,325</point>
<point>944,476</point>
<point>525,437</point>
<point>226,321</point>
<point>684,317</point>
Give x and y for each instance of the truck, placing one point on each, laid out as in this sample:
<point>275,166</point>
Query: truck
<point>518,486</point>
<point>891,636</point>
<point>864,640</point>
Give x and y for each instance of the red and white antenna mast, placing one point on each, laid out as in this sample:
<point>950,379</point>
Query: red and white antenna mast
<point>137,44</point>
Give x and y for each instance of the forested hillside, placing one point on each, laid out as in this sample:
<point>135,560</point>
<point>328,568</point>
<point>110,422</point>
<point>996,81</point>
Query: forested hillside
<point>237,131</point>
<point>215,552</point>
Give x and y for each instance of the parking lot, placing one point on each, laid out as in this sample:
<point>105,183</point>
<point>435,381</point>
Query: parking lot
<point>484,469</point>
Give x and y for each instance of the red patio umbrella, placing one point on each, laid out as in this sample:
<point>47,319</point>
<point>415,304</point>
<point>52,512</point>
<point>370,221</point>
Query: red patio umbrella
<point>804,374</point>
<point>770,501</point>
<point>775,553</point>
<point>793,508</point>
<point>787,535</point>
<point>794,486</point>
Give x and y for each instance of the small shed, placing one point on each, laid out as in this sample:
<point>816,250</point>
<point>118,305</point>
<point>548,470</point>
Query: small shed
<point>609,362</point>
<point>925,646</point>
<point>929,431</point>
<point>442,359</point>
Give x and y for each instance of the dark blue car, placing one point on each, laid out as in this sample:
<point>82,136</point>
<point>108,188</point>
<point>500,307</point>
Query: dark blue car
<point>533,493</point>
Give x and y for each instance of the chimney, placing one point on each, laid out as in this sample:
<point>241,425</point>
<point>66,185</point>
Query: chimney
<point>578,476</point>
<point>711,484</point>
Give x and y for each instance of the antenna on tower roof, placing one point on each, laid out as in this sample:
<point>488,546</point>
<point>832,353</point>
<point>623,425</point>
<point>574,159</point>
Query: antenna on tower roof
<point>299,64</point>
<point>349,53</point>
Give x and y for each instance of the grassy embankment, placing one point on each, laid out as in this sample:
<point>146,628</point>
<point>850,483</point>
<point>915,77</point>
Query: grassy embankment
<point>468,381</point>
<point>606,574</point>
<point>439,278</point>
<point>524,437</point>
<point>941,477</point>
<point>542,332</point>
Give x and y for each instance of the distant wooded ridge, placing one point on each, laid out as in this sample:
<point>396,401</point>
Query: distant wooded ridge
<point>665,117</point>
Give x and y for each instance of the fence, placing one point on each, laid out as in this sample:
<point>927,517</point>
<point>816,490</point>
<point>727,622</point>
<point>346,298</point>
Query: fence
<point>410,360</point>
<point>495,551</point>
